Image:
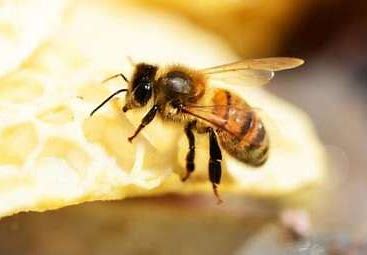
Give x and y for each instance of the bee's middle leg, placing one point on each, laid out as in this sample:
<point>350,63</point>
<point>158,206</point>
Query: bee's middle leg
<point>215,167</point>
<point>190,156</point>
<point>145,121</point>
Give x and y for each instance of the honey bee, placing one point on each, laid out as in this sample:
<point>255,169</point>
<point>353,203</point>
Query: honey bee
<point>184,95</point>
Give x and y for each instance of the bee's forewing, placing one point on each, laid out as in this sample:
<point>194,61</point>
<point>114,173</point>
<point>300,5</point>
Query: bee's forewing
<point>251,72</point>
<point>248,77</point>
<point>267,64</point>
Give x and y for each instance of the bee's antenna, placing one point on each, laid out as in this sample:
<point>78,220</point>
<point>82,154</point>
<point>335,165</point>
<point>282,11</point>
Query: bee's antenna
<point>115,76</point>
<point>106,100</point>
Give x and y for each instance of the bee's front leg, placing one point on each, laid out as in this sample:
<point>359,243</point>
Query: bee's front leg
<point>145,121</point>
<point>215,167</point>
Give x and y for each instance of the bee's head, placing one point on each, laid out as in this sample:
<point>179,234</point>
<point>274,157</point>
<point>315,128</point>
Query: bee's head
<point>141,86</point>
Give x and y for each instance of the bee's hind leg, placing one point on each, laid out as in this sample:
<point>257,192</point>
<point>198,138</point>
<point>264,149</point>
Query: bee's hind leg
<point>145,121</point>
<point>190,156</point>
<point>215,167</point>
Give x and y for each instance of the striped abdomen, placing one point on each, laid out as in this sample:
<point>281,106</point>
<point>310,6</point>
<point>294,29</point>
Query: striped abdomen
<point>247,139</point>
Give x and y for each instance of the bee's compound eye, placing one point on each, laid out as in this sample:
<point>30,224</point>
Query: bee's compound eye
<point>143,93</point>
<point>142,84</point>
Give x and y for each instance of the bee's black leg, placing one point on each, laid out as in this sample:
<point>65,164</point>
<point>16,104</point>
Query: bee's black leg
<point>190,156</point>
<point>215,168</point>
<point>145,121</point>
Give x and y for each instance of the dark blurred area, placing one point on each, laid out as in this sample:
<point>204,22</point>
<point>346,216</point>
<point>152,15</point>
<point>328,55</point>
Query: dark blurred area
<point>337,28</point>
<point>331,87</point>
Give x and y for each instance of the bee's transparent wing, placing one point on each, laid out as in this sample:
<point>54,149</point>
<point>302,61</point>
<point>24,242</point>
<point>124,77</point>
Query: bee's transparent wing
<point>266,64</point>
<point>249,77</point>
<point>251,72</point>
<point>214,115</point>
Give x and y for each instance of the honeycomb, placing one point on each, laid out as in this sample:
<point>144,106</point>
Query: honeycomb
<point>24,24</point>
<point>52,154</point>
